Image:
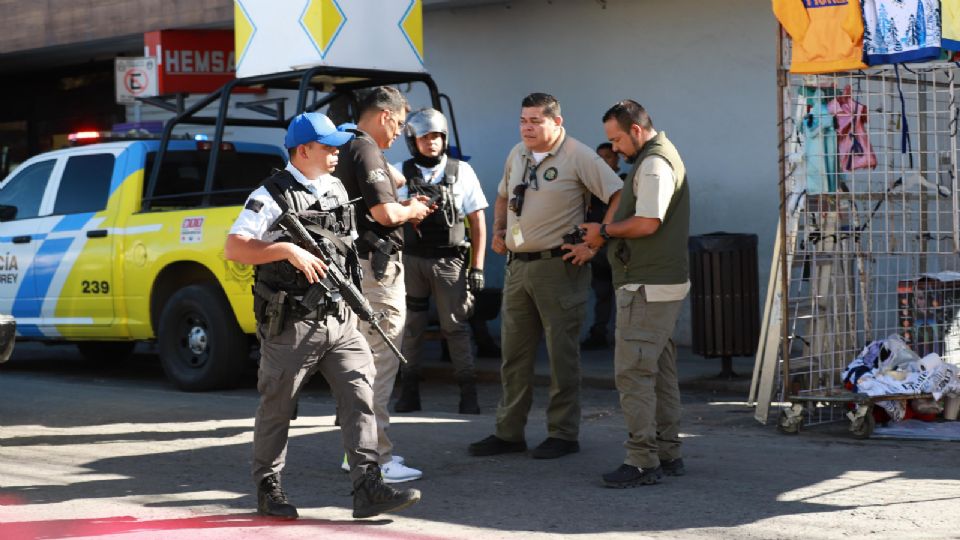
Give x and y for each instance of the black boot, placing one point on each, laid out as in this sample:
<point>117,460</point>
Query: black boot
<point>371,496</point>
<point>409,400</point>
<point>272,501</point>
<point>468,396</point>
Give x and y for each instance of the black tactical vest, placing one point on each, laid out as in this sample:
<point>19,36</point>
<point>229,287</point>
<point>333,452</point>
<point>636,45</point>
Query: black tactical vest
<point>329,219</point>
<point>444,228</point>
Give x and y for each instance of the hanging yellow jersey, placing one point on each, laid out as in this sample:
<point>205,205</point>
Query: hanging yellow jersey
<point>950,17</point>
<point>827,34</point>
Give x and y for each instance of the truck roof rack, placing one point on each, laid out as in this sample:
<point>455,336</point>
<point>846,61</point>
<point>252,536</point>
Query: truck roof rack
<point>338,85</point>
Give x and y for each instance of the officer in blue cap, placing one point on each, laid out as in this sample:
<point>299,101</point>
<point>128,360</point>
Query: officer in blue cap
<point>302,323</point>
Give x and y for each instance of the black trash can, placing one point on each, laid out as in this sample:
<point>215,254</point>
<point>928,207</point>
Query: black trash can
<point>724,296</point>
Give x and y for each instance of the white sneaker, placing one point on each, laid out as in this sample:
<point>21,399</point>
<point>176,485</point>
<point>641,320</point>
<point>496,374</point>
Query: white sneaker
<point>345,465</point>
<point>396,472</point>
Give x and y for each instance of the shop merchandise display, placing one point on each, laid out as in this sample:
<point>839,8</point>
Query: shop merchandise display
<point>826,36</point>
<point>889,367</point>
<point>897,31</point>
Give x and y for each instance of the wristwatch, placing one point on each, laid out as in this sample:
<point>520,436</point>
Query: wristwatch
<point>603,231</point>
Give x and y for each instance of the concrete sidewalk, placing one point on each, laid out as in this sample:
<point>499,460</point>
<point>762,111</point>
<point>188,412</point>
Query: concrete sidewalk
<point>696,372</point>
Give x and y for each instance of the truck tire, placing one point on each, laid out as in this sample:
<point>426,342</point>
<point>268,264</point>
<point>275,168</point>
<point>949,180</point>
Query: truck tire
<point>200,343</point>
<point>106,353</point>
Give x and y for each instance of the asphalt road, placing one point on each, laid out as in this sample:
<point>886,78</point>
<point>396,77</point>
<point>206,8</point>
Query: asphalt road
<point>117,452</point>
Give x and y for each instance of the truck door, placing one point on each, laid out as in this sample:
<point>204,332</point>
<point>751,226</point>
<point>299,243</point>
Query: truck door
<point>21,233</point>
<point>74,265</point>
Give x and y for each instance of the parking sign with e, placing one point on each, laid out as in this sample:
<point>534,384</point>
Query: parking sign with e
<point>135,77</point>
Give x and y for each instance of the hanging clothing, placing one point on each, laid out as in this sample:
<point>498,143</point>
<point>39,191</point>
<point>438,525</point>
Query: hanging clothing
<point>819,145</point>
<point>897,31</point>
<point>853,141</point>
<point>827,34</point>
<point>950,19</point>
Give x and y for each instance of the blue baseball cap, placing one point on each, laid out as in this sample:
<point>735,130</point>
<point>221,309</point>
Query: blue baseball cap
<point>316,127</point>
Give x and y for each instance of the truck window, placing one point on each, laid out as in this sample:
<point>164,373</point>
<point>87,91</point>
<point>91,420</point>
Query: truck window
<point>240,173</point>
<point>25,190</point>
<point>183,174</point>
<point>85,185</point>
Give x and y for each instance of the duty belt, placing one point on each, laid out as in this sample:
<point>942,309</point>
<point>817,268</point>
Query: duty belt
<point>395,256</point>
<point>527,256</point>
<point>433,252</point>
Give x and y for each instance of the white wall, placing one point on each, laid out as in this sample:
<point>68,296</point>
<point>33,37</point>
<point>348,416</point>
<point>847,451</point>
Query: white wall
<point>704,70</point>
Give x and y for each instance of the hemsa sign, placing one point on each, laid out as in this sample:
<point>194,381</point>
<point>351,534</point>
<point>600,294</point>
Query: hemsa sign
<point>191,61</point>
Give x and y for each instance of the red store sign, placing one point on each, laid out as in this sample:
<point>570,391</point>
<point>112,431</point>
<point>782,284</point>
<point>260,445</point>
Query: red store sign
<point>191,61</point>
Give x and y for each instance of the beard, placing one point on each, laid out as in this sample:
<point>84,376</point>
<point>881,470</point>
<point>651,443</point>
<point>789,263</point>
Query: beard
<point>631,159</point>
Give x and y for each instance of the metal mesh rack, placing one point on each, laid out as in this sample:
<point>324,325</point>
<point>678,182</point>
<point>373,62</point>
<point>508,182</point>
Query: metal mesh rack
<point>870,206</point>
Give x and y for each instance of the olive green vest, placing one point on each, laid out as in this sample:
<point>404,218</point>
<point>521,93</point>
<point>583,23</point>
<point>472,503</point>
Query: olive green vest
<point>661,258</point>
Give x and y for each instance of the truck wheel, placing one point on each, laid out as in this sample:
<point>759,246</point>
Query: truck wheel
<point>200,343</point>
<point>106,352</point>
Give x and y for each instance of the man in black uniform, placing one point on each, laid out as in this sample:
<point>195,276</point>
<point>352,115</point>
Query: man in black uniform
<point>380,217</point>
<point>302,323</point>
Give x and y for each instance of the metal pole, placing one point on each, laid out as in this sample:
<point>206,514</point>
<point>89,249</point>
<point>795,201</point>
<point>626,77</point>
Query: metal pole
<point>784,270</point>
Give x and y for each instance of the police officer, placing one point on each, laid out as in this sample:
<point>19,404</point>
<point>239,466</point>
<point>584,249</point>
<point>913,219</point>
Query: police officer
<point>302,332</point>
<point>647,249</point>
<point>380,217</point>
<point>435,255</point>
<point>546,184</point>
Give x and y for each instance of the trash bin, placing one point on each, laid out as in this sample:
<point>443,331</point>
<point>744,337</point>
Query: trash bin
<point>724,296</point>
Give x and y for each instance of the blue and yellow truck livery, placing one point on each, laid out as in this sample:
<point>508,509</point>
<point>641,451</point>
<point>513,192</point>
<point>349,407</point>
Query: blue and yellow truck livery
<point>84,258</point>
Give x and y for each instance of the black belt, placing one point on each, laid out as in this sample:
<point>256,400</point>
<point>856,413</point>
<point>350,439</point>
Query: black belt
<point>395,256</point>
<point>326,307</point>
<point>527,256</point>
<point>433,252</point>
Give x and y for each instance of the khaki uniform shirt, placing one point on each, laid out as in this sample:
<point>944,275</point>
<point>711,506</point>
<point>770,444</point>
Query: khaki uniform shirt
<point>556,200</point>
<point>653,185</point>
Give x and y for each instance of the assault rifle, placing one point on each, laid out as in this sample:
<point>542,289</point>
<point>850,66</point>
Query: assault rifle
<point>351,295</point>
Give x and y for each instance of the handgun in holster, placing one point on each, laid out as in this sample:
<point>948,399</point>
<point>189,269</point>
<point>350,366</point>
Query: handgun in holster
<point>275,310</point>
<point>276,313</point>
<point>380,253</point>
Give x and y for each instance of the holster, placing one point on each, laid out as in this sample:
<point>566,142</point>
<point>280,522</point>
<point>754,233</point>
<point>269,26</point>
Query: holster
<point>274,313</point>
<point>382,249</point>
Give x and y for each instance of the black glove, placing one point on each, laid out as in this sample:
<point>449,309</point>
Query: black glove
<point>475,280</point>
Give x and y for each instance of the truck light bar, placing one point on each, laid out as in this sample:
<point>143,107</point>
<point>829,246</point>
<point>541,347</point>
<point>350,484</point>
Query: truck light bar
<point>84,136</point>
<point>89,137</point>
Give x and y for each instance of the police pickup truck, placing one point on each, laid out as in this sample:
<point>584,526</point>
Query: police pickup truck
<point>107,244</point>
<point>90,256</point>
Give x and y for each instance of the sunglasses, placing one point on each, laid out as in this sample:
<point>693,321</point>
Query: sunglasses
<point>532,180</point>
<point>400,122</point>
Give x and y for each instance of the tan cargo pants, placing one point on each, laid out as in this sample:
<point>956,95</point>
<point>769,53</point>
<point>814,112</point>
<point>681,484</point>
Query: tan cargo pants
<point>387,296</point>
<point>645,370</point>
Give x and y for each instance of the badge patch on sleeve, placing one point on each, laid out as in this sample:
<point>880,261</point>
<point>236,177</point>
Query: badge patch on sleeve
<point>376,176</point>
<point>254,206</point>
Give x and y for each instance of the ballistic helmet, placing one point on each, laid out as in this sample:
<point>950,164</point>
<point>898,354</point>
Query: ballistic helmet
<point>422,122</point>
